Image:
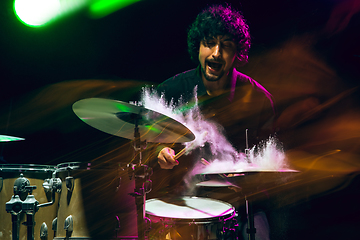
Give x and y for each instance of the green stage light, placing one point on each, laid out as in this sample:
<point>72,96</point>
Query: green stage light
<point>102,8</point>
<point>37,13</point>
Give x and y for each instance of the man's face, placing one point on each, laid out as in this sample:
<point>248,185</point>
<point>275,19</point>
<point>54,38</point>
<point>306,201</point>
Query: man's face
<point>216,57</point>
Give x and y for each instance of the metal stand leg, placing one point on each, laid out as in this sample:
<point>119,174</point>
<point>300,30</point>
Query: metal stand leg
<point>251,230</point>
<point>15,226</point>
<point>14,206</point>
<point>139,195</point>
<point>30,223</point>
<point>141,174</point>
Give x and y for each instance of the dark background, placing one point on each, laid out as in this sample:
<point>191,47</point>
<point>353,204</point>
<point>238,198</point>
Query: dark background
<point>43,71</point>
<point>147,41</point>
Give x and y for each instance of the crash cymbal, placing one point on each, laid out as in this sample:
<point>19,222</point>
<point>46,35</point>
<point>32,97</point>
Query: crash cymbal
<point>118,118</point>
<point>4,138</point>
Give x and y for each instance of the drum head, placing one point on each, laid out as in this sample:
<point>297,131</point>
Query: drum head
<point>195,208</point>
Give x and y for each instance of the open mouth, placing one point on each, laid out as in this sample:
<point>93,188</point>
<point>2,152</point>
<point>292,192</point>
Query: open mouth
<point>215,66</point>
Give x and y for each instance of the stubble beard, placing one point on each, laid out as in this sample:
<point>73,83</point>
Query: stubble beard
<point>209,77</point>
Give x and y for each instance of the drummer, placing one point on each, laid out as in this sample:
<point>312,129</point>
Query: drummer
<point>219,42</point>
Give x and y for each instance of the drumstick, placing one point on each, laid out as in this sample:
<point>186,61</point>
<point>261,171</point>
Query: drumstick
<point>190,146</point>
<point>179,154</point>
<point>206,163</point>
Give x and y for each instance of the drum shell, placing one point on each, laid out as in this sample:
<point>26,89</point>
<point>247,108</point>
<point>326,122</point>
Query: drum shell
<point>196,228</point>
<point>36,174</point>
<point>185,230</point>
<point>90,203</point>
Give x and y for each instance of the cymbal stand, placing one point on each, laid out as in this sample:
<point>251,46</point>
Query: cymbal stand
<point>251,230</point>
<point>247,150</point>
<point>14,206</point>
<point>141,174</point>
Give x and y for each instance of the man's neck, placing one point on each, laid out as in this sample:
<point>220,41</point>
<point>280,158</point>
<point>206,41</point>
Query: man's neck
<point>216,88</point>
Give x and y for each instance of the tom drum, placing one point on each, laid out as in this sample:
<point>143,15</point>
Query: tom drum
<point>26,180</point>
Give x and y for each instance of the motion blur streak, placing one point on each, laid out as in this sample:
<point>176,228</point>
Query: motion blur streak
<point>102,8</point>
<point>317,121</point>
<point>341,16</point>
<point>318,115</point>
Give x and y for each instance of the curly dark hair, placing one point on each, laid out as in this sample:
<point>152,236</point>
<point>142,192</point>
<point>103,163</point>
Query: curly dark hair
<point>219,20</point>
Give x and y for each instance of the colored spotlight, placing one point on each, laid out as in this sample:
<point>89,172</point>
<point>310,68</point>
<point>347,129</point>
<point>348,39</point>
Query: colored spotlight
<point>36,13</point>
<point>102,8</point>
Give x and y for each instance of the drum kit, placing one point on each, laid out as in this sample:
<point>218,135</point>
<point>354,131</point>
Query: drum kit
<point>29,189</point>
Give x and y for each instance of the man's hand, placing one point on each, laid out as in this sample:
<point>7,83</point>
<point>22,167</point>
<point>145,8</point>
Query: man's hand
<point>166,158</point>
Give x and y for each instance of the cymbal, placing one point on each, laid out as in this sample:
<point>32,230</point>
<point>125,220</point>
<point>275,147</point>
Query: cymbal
<point>248,180</point>
<point>215,183</point>
<point>244,172</point>
<point>119,118</point>
<point>5,138</point>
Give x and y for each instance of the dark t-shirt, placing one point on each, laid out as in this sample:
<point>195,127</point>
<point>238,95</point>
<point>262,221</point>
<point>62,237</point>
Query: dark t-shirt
<point>247,105</point>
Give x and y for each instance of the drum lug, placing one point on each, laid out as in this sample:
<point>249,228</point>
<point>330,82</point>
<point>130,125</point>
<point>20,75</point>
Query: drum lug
<point>43,231</point>
<point>148,186</point>
<point>69,183</point>
<point>147,224</point>
<point>118,184</point>
<point>54,225</point>
<point>117,224</point>
<point>52,184</point>
<point>69,224</point>
<point>1,183</point>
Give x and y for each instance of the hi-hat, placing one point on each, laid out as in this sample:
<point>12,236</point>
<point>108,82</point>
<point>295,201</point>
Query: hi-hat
<point>5,138</point>
<point>248,180</point>
<point>250,171</point>
<point>216,183</point>
<point>120,119</point>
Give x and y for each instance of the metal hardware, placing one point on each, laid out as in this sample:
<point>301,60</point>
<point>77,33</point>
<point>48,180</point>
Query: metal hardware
<point>69,181</point>
<point>14,206</point>
<point>54,224</point>
<point>43,231</point>
<point>69,224</point>
<point>52,184</point>
<point>20,185</point>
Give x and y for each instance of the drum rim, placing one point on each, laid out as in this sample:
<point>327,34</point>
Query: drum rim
<point>194,220</point>
<point>66,166</point>
<point>26,167</point>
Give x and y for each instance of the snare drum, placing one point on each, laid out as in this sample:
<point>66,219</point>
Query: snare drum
<point>35,174</point>
<point>86,209</point>
<point>189,218</point>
